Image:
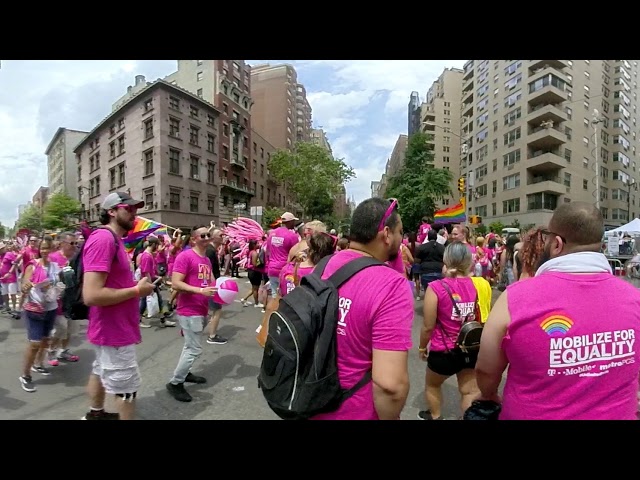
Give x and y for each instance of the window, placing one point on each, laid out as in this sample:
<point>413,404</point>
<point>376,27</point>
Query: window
<point>211,204</point>
<point>199,62</point>
<point>199,77</point>
<point>121,176</point>
<point>148,162</point>
<point>174,127</point>
<point>511,182</point>
<point>148,104</point>
<point>511,206</point>
<point>112,178</point>
<point>174,199</point>
<point>193,203</point>
<point>148,197</point>
<point>199,92</point>
<point>195,167</point>
<point>511,158</point>
<point>174,161</point>
<point>120,144</point>
<point>211,143</point>
<point>112,149</point>
<point>193,135</point>
<point>211,121</point>
<point>174,103</point>
<point>193,111</point>
<point>148,129</point>
<point>211,172</point>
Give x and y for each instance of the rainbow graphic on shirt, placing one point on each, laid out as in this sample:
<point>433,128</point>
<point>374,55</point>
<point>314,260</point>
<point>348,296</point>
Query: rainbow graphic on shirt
<point>289,283</point>
<point>556,325</point>
<point>456,297</point>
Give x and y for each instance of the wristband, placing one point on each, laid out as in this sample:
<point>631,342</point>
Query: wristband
<point>201,290</point>
<point>422,349</point>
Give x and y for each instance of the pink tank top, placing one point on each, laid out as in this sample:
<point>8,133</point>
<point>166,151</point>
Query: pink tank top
<point>572,356</point>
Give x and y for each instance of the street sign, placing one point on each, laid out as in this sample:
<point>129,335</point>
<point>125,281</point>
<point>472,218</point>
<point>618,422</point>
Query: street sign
<point>240,206</point>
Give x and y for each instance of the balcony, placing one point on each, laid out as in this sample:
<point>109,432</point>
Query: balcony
<point>538,73</point>
<point>224,182</point>
<point>545,161</point>
<point>468,70</point>
<point>559,64</point>
<point>548,94</point>
<point>467,85</point>
<point>467,97</point>
<point>467,109</point>
<point>544,113</point>
<point>545,138</point>
<point>546,184</point>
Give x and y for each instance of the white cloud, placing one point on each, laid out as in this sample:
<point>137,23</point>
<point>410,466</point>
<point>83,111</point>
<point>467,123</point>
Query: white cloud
<point>385,140</point>
<point>336,111</point>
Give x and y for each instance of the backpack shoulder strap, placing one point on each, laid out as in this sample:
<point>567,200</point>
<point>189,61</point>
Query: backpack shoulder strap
<point>347,271</point>
<point>453,300</point>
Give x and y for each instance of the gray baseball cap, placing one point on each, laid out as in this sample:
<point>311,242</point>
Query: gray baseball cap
<point>120,198</point>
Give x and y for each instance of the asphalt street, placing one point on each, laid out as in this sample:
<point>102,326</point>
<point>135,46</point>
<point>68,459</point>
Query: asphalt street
<point>231,391</point>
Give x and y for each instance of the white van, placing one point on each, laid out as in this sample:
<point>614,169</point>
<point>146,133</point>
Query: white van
<point>507,232</point>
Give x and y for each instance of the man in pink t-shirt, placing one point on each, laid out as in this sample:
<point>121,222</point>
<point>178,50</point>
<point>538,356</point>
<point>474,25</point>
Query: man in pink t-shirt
<point>423,230</point>
<point>279,243</point>
<point>376,316</point>
<point>63,327</point>
<point>112,296</point>
<point>9,278</point>
<point>149,269</point>
<point>568,334</point>
<point>193,278</point>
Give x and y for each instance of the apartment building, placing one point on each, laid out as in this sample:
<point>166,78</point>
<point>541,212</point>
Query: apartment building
<point>414,114</point>
<point>226,84</point>
<point>40,198</point>
<point>394,163</point>
<point>281,112</point>
<point>62,172</point>
<point>319,137</point>
<point>160,145</point>
<point>441,119</point>
<point>375,189</point>
<point>543,132</point>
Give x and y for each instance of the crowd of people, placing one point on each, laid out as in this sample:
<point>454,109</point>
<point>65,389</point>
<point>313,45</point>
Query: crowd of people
<point>568,357</point>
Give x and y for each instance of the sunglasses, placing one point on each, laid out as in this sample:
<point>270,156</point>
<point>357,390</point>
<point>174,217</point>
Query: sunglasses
<point>205,235</point>
<point>387,214</point>
<point>73,244</point>
<point>547,233</point>
<point>128,208</point>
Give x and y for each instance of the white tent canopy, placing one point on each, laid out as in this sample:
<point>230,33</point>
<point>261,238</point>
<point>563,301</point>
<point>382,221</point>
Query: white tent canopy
<point>632,228</point>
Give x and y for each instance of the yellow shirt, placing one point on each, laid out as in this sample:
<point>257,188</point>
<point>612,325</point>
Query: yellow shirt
<point>484,296</point>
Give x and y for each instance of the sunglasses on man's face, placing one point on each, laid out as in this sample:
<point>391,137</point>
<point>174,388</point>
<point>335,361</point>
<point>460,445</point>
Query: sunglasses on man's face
<point>205,235</point>
<point>128,208</point>
<point>73,244</point>
<point>392,206</point>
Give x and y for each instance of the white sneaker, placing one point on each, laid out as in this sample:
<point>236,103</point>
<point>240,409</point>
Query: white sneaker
<point>258,305</point>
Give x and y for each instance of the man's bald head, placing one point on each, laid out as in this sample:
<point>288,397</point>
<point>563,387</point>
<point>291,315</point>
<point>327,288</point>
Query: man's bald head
<point>580,223</point>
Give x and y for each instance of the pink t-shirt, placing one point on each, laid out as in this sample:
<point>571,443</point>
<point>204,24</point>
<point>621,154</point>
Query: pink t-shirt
<point>197,273</point>
<point>171,259</point>
<point>397,264</point>
<point>448,325</point>
<point>147,265</point>
<point>571,347</point>
<point>422,232</point>
<point>62,262</point>
<point>28,255</point>
<point>115,325</point>
<point>7,262</point>
<point>161,257</point>
<point>279,243</point>
<point>286,277</point>
<point>375,311</point>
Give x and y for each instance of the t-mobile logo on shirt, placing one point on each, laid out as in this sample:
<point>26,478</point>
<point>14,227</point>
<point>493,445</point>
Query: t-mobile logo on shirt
<point>277,241</point>
<point>344,305</point>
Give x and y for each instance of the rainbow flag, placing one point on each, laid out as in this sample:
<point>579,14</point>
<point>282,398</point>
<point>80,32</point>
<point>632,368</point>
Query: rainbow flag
<point>143,224</point>
<point>134,239</point>
<point>454,214</point>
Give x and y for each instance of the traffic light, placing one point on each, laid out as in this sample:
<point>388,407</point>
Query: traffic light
<point>475,219</point>
<point>461,185</point>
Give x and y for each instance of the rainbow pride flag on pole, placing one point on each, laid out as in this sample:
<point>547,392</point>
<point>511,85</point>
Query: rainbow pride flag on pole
<point>143,224</point>
<point>142,228</point>
<point>454,214</point>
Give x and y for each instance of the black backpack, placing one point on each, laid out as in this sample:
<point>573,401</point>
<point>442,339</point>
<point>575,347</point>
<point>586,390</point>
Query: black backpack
<point>471,325</point>
<point>299,371</point>
<point>72,276</point>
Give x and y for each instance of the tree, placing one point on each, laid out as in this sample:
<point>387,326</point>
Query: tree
<point>497,227</point>
<point>418,184</point>
<point>60,211</point>
<point>320,207</point>
<point>270,215</point>
<point>3,231</point>
<point>30,218</point>
<point>313,176</point>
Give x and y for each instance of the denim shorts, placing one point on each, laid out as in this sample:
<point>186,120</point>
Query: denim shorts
<point>39,325</point>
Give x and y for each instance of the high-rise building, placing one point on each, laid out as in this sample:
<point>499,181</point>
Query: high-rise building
<point>62,169</point>
<point>375,188</point>
<point>394,163</point>
<point>414,114</point>
<point>441,119</point>
<point>281,112</point>
<point>40,198</point>
<point>227,85</point>
<point>160,145</point>
<point>543,132</point>
<point>319,137</point>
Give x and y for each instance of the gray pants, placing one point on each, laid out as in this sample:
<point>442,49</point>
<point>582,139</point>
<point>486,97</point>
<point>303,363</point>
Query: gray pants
<point>192,328</point>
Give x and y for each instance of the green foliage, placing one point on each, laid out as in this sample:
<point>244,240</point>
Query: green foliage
<point>418,185</point>
<point>497,227</point>
<point>31,218</point>
<point>313,176</point>
<point>526,228</point>
<point>481,230</point>
<point>60,211</point>
<point>270,215</point>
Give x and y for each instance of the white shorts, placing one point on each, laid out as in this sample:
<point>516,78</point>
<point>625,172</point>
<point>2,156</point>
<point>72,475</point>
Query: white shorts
<point>10,288</point>
<point>118,369</point>
<point>63,327</point>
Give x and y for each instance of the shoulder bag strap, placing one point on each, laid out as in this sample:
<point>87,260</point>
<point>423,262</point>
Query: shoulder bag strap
<point>347,271</point>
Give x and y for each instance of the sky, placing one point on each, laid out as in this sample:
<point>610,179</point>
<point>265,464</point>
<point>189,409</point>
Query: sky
<point>360,104</point>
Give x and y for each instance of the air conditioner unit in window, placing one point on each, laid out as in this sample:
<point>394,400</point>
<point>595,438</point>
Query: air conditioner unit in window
<point>196,177</point>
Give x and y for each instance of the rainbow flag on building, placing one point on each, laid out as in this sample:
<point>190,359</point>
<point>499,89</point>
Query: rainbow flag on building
<point>454,214</point>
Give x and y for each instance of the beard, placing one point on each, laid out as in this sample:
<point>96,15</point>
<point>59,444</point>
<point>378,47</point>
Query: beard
<point>127,224</point>
<point>544,258</point>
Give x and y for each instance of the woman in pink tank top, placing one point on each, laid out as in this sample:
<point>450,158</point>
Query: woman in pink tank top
<point>442,324</point>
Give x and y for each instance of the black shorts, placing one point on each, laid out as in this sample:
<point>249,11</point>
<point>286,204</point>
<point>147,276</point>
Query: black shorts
<point>452,362</point>
<point>255,277</point>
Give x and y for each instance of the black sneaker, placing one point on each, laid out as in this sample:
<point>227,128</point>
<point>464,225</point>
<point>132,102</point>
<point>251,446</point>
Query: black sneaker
<point>178,392</point>
<point>191,378</point>
<point>101,415</point>
<point>426,415</point>
<point>40,369</point>
<point>26,382</point>
<point>216,340</point>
